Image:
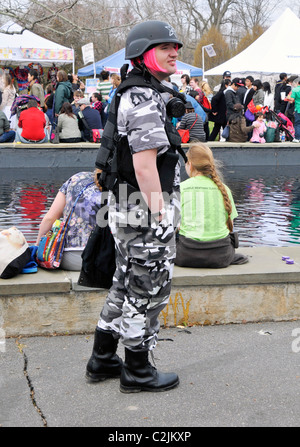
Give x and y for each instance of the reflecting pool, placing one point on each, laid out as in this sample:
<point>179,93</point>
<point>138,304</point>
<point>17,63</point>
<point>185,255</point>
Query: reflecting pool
<point>267,200</point>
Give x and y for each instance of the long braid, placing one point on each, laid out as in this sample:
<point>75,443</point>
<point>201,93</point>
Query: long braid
<point>201,157</point>
<point>228,207</point>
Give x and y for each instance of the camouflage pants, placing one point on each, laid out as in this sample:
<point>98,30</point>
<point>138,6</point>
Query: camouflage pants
<point>142,281</point>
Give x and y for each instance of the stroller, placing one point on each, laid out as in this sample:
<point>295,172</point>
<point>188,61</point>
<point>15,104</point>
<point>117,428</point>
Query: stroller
<point>284,124</point>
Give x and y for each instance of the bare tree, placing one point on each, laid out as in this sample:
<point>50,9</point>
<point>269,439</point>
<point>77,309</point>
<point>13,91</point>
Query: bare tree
<point>76,22</point>
<point>247,16</point>
<point>39,13</point>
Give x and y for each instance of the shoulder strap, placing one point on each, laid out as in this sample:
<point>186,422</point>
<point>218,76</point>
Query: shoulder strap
<point>193,123</point>
<point>81,116</point>
<point>136,78</point>
<point>76,200</point>
<point>81,192</point>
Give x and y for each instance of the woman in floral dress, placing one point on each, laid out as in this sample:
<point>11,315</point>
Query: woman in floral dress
<point>83,220</point>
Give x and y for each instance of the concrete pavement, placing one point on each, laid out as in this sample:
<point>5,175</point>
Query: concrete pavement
<point>238,375</point>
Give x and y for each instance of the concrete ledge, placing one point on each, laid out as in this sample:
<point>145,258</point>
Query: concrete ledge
<point>266,288</point>
<point>265,267</point>
<point>83,155</point>
<point>86,145</point>
<point>41,282</point>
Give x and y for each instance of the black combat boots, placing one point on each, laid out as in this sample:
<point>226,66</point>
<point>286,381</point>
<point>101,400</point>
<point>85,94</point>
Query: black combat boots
<point>139,375</point>
<point>104,362</point>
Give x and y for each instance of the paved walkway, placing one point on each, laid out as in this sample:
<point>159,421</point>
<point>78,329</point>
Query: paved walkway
<point>244,375</point>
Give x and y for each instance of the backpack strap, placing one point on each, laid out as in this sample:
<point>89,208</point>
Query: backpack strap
<point>75,203</point>
<point>193,123</point>
<point>81,116</point>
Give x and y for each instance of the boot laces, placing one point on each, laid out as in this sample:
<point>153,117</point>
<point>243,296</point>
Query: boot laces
<point>152,357</point>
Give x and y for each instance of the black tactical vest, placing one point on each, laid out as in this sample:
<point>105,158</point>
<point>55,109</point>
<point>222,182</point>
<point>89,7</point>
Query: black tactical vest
<point>114,156</point>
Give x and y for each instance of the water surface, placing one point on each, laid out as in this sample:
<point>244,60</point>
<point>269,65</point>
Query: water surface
<point>267,200</point>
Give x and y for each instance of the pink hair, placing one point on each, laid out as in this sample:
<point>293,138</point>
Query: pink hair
<point>150,61</point>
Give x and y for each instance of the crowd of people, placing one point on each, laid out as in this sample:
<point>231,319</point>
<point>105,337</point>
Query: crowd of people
<point>207,111</point>
<point>239,103</point>
<point>33,115</point>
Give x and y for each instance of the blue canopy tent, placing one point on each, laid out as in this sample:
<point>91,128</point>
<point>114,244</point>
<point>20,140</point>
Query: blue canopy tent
<point>114,62</point>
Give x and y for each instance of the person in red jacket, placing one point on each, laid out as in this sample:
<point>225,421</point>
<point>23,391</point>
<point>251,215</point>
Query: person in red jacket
<point>31,126</point>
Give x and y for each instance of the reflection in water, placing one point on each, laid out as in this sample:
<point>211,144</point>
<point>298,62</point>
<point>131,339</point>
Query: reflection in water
<point>26,195</point>
<point>32,201</point>
<point>294,219</point>
<point>267,200</point>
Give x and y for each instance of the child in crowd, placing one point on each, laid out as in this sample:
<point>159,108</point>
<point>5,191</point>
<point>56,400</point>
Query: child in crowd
<point>77,95</point>
<point>96,103</point>
<point>259,129</point>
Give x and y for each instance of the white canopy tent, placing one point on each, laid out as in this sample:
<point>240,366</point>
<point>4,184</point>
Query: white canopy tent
<point>21,49</point>
<point>277,50</point>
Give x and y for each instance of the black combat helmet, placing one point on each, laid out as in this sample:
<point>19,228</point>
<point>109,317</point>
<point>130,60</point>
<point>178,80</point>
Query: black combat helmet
<point>148,34</point>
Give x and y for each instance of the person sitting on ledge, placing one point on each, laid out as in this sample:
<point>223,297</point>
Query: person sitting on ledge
<point>83,219</point>
<point>6,134</point>
<point>68,125</point>
<point>206,238</point>
<point>31,126</point>
<point>88,119</point>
